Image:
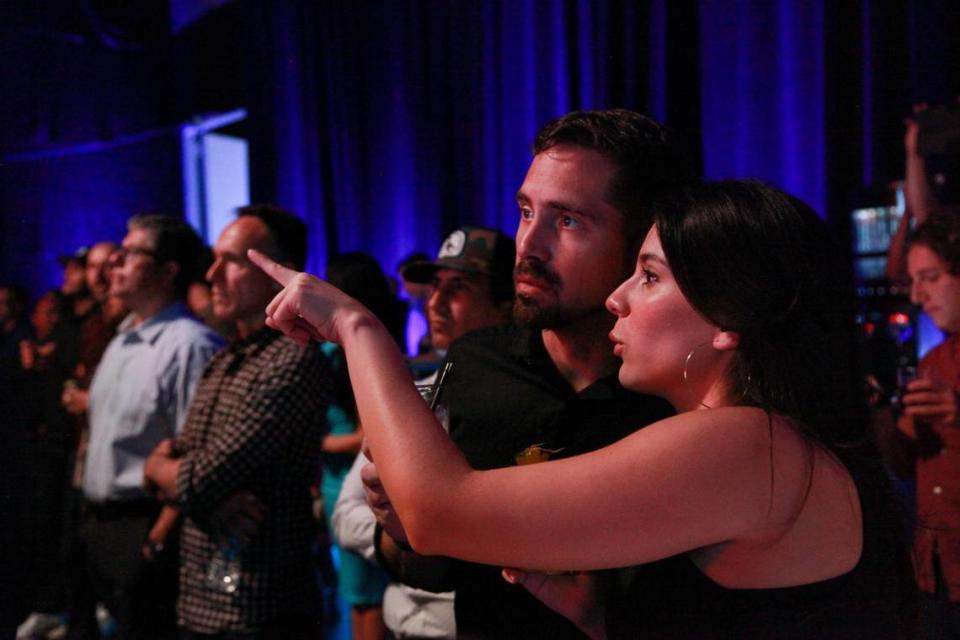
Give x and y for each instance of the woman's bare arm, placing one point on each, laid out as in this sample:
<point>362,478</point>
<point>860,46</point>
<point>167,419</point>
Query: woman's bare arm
<point>694,480</point>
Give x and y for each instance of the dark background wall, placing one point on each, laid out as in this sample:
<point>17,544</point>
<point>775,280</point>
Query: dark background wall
<point>384,123</point>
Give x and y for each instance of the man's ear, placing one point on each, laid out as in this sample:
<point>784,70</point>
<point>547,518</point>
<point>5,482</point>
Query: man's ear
<point>169,271</point>
<point>726,340</point>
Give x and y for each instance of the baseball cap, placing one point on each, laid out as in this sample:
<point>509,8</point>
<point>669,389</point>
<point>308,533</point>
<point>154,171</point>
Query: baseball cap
<point>471,250</point>
<point>80,256</point>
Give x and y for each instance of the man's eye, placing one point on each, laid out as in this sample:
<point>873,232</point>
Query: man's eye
<point>526,213</point>
<point>569,222</point>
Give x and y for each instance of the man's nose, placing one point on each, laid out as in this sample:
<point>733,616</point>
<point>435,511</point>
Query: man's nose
<point>533,240</point>
<point>213,271</point>
<point>916,293</point>
<point>437,298</point>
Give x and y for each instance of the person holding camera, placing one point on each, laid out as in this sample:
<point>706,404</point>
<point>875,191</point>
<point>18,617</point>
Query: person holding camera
<point>929,419</point>
<point>930,133</point>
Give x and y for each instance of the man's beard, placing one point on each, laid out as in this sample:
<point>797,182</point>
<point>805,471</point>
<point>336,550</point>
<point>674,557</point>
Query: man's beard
<point>527,312</point>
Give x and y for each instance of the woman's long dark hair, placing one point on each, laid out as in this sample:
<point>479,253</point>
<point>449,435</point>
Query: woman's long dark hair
<point>754,260</point>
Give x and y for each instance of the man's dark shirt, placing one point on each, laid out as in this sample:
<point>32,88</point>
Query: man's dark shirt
<point>503,395</point>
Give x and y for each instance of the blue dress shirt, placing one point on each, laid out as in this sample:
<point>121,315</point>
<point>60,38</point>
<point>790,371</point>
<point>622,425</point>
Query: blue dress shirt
<point>140,395</point>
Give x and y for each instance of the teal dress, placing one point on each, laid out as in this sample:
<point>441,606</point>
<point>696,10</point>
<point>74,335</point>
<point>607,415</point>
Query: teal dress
<point>359,582</point>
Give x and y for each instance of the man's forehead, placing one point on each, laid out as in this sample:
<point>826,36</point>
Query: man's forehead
<point>99,253</point>
<point>571,177</point>
<point>447,275</point>
<point>138,237</point>
<point>246,232</point>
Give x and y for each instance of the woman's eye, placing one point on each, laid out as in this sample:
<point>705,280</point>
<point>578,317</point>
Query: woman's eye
<point>647,276</point>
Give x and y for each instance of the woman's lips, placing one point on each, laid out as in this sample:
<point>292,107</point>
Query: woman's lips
<point>617,345</point>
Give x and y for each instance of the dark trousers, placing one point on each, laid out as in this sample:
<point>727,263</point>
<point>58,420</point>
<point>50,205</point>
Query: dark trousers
<point>81,601</point>
<point>46,584</point>
<point>141,595</point>
<point>939,617</point>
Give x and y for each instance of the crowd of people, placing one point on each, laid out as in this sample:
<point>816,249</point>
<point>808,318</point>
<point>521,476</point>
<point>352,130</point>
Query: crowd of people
<point>645,417</point>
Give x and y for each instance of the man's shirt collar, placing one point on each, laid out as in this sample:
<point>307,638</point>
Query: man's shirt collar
<point>150,330</point>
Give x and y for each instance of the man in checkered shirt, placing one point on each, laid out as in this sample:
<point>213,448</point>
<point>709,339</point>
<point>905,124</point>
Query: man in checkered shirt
<point>242,466</point>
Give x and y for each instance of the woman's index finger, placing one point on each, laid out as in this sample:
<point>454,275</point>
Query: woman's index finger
<point>275,270</point>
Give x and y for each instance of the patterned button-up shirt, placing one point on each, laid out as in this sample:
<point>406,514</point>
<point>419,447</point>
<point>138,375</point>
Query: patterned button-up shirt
<point>256,425</point>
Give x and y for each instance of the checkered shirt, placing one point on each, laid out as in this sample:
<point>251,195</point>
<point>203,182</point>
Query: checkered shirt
<point>255,424</point>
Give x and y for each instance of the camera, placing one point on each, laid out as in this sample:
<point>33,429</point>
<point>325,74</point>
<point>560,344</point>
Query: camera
<point>938,142</point>
<point>939,130</point>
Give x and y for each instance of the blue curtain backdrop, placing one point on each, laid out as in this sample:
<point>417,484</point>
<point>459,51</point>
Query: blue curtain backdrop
<point>763,75</point>
<point>385,124</point>
<point>419,115</point>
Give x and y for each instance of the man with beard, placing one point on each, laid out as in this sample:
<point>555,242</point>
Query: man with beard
<point>547,386</point>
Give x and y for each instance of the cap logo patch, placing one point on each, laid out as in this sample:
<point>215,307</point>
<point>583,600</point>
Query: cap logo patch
<point>453,245</point>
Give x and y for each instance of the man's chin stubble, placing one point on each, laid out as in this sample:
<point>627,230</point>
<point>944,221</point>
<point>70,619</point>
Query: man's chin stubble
<point>527,313</point>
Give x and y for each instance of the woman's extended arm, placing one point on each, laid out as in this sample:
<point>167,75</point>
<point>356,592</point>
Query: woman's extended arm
<point>697,479</point>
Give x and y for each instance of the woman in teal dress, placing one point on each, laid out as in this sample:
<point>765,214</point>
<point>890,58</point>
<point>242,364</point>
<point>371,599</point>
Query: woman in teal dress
<point>360,583</point>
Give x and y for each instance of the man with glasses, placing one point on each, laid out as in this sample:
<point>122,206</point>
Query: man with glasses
<point>138,397</point>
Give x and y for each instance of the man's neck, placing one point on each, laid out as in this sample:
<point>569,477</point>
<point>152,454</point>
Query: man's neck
<point>582,351</point>
<point>83,306</point>
<point>146,309</point>
<point>250,325</point>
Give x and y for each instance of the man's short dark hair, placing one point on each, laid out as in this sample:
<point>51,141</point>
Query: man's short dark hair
<point>941,234</point>
<point>174,241</point>
<point>289,232</point>
<point>648,156</point>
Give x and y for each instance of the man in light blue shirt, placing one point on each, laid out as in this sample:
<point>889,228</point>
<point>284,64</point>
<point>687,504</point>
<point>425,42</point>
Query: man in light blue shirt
<point>138,397</point>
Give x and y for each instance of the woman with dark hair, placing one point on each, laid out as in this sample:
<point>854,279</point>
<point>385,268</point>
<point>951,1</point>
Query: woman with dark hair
<point>760,510</point>
<point>930,420</point>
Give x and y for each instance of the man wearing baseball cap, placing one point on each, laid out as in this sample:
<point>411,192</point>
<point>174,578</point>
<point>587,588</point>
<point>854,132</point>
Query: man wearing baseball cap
<point>472,281</point>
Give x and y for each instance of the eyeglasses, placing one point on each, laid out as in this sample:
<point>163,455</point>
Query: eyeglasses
<point>120,255</point>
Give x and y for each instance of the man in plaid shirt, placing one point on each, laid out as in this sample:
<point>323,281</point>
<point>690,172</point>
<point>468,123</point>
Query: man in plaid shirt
<point>241,469</point>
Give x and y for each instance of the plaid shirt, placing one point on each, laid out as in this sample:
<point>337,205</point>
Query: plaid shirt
<point>255,424</point>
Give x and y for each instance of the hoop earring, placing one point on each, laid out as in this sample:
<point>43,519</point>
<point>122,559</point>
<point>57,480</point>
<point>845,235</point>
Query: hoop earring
<point>746,387</point>
<point>686,361</point>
